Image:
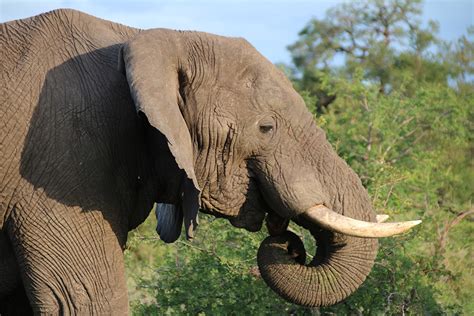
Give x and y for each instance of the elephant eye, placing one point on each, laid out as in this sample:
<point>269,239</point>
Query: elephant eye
<point>266,128</point>
<point>266,125</point>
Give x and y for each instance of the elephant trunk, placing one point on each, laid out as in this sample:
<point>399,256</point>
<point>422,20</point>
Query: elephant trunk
<point>323,195</point>
<point>341,262</point>
<point>339,267</point>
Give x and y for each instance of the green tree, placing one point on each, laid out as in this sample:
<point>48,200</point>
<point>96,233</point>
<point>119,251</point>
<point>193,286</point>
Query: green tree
<point>383,38</point>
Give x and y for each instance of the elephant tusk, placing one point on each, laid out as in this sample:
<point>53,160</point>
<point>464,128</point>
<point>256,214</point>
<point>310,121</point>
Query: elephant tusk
<point>333,221</point>
<point>381,218</point>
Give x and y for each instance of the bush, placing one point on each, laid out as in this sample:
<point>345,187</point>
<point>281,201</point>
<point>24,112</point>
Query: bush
<point>215,274</point>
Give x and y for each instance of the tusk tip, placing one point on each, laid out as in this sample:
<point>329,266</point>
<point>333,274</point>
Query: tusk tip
<point>408,225</point>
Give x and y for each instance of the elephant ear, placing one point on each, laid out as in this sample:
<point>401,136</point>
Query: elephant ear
<point>151,64</point>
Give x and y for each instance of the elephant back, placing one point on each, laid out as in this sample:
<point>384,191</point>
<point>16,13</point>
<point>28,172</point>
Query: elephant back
<point>33,51</point>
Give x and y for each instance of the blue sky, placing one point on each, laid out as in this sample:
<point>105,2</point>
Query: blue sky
<point>270,25</point>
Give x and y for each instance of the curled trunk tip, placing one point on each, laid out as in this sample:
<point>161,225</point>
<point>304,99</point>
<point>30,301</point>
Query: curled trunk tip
<point>336,271</point>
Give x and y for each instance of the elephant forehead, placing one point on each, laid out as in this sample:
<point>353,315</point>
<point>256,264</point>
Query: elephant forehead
<point>278,99</point>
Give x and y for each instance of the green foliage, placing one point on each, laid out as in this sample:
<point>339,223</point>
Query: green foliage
<point>413,153</point>
<point>215,274</point>
<point>402,117</point>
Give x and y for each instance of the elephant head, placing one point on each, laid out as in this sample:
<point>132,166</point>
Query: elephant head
<point>249,149</point>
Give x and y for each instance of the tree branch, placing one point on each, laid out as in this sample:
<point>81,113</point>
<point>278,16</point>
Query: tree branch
<point>444,236</point>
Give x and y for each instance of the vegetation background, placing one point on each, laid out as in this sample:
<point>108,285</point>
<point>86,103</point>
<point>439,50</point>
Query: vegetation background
<point>397,103</point>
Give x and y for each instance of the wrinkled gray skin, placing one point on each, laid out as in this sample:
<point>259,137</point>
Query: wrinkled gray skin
<point>100,120</point>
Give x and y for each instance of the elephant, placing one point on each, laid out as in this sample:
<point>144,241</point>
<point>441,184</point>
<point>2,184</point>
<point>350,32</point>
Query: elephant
<point>100,121</point>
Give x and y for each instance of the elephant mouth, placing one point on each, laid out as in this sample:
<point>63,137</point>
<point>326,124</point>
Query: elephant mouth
<point>248,217</point>
<point>247,212</point>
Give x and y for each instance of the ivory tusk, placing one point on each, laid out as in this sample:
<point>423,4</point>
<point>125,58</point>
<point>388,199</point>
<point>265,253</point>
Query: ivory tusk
<point>333,221</point>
